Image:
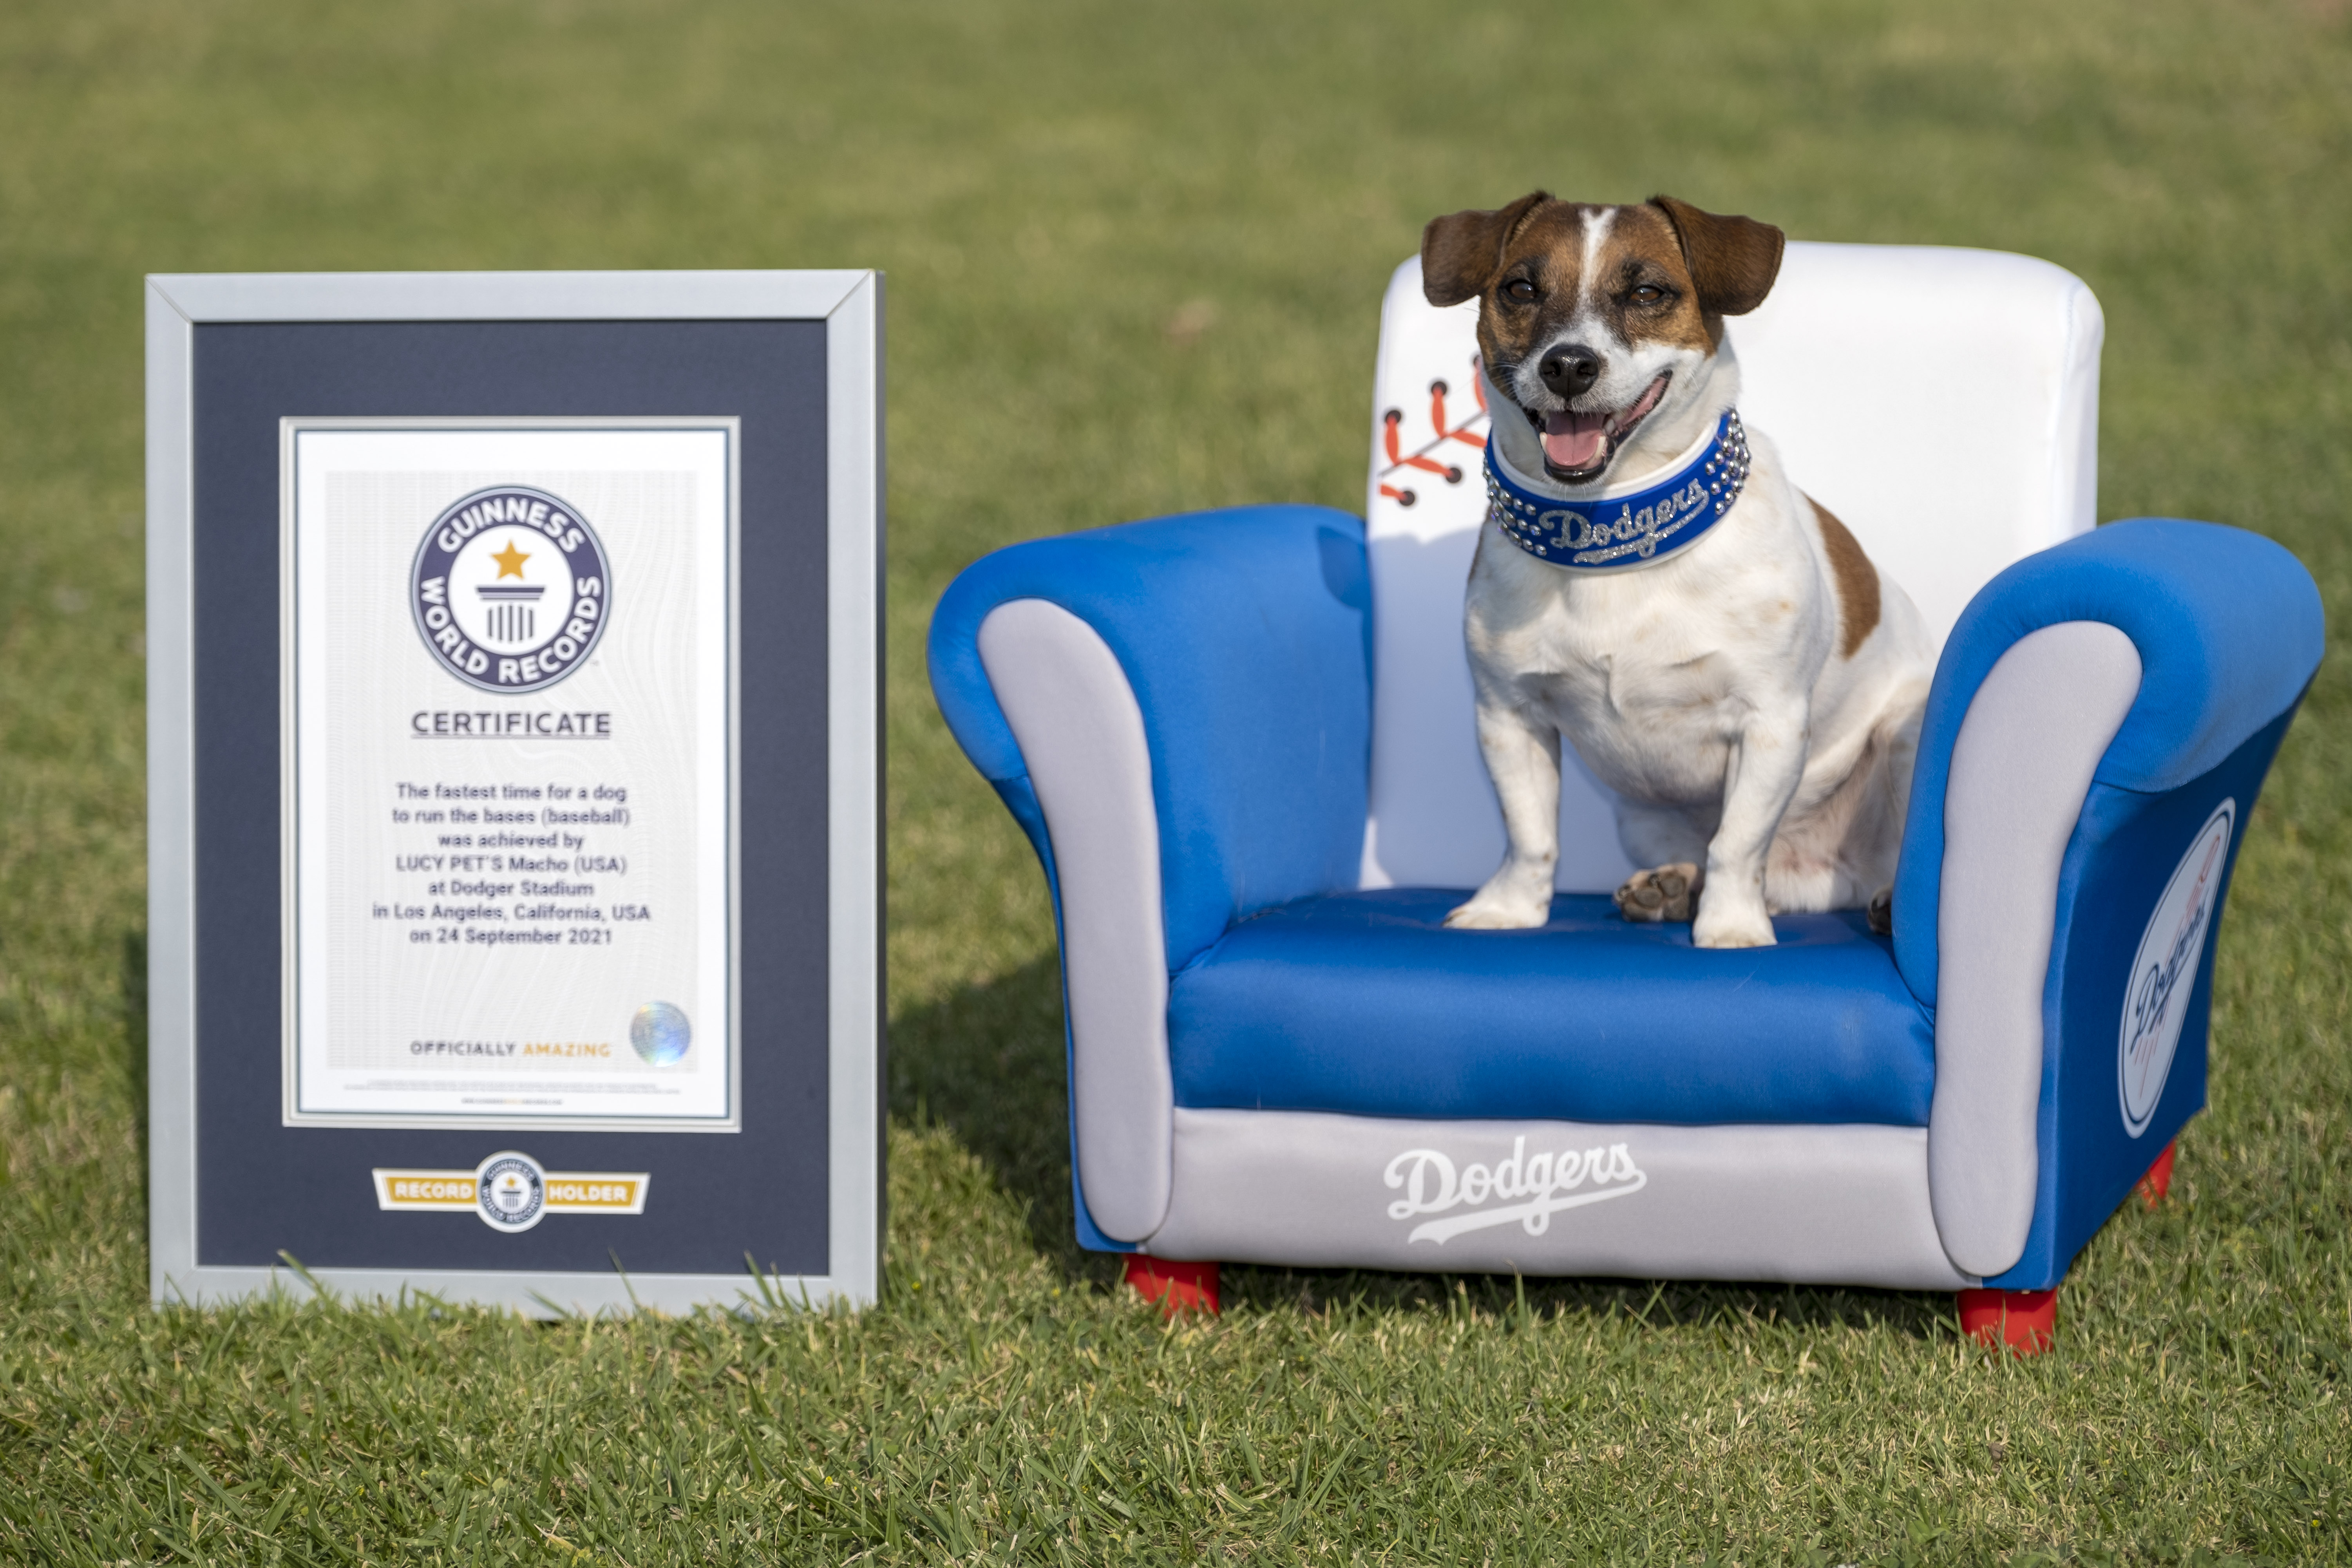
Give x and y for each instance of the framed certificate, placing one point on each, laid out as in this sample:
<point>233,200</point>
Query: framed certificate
<point>514,784</point>
<point>510,797</point>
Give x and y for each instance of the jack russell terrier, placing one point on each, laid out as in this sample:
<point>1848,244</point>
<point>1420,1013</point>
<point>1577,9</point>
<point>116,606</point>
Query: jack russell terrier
<point>1649,583</point>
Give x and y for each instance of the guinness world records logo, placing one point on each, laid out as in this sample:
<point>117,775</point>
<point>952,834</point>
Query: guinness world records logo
<point>510,589</point>
<point>511,1191</point>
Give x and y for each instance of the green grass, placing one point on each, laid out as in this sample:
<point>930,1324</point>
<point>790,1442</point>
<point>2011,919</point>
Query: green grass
<point>1048,186</point>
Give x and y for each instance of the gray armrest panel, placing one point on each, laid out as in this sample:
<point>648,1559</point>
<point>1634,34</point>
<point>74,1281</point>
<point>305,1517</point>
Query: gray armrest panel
<point>2021,768</point>
<point>1081,736</point>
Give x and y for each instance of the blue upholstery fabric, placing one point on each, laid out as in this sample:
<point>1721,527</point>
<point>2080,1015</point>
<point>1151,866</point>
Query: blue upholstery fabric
<point>2124,849</point>
<point>1361,1002</point>
<point>2229,629</point>
<point>1246,635</point>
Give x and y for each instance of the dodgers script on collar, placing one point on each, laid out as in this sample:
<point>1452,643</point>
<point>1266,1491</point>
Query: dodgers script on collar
<point>509,782</point>
<point>1633,527</point>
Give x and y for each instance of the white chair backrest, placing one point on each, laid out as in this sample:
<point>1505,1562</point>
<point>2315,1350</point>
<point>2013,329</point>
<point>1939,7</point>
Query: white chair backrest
<point>1944,404</point>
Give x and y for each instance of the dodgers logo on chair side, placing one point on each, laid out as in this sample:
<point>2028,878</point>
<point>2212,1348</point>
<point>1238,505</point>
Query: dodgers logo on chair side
<point>510,589</point>
<point>2164,971</point>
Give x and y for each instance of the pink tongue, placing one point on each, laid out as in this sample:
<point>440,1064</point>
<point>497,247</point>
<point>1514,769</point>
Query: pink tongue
<point>1572,440</point>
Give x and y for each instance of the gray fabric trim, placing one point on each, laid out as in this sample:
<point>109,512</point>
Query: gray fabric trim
<point>2020,767</point>
<point>1828,1205</point>
<point>1081,736</point>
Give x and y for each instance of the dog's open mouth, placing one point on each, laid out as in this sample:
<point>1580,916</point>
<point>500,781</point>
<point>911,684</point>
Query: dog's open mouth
<point>1577,447</point>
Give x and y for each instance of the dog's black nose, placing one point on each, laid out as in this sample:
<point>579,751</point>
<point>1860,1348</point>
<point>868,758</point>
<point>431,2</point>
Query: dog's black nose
<point>1570,370</point>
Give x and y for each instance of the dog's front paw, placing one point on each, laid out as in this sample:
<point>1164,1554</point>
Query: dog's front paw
<point>1721,923</point>
<point>1665,893</point>
<point>1489,911</point>
<point>1517,896</point>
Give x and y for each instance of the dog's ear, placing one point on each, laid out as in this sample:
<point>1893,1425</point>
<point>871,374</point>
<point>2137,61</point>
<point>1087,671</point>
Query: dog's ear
<point>1732,260</point>
<point>1461,252</point>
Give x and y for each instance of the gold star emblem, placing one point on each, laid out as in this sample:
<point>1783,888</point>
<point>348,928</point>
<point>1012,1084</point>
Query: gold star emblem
<point>510,561</point>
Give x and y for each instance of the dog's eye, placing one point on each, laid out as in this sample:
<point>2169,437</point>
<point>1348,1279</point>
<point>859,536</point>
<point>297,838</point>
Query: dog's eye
<point>1520,290</point>
<point>1648,294</point>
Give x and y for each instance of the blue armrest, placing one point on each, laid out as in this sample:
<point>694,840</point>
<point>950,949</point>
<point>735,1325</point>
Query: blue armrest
<point>2229,629</point>
<point>2050,1101</point>
<point>1247,637</point>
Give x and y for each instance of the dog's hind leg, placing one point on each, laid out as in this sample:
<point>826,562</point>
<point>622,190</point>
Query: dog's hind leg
<point>1522,755</point>
<point>1898,740</point>
<point>1840,852</point>
<point>1663,893</point>
<point>1804,874</point>
<point>1672,850</point>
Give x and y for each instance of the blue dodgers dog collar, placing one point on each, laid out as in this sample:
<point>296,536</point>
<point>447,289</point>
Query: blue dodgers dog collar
<point>1648,524</point>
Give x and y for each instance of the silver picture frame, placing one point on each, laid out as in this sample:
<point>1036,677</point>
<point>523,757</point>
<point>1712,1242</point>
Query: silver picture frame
<point>849,304</point>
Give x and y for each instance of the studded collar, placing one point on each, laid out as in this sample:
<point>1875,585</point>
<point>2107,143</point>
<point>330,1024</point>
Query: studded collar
<point>1629,529</point>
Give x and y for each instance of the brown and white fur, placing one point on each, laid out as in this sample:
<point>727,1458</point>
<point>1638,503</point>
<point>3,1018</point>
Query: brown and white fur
<point>1754,699</point>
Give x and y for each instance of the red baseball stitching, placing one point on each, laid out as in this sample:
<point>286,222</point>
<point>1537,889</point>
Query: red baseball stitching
<point>1392,440</point>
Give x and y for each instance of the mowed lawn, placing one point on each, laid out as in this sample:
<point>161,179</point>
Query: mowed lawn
<point>1135,255</point>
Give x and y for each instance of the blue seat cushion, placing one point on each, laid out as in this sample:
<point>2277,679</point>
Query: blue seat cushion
<point>1362,1003</point>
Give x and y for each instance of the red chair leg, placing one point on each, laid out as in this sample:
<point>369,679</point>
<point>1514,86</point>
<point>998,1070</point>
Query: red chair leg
<point>2024,1321</point>
<point>2158,1180</point>
<point>1177,1287</point>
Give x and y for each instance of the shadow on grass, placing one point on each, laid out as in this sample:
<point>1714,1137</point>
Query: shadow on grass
<point>133,986</point>
<point>987,1064</point>
<point>1659,1303</point>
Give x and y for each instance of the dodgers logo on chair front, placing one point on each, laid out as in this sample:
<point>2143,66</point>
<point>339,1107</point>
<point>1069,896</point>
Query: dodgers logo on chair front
<point>2164,971</point>
<point>510,589</point>
<point>1543,1183</point>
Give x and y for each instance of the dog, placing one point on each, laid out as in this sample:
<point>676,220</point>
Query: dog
<point>1649,583</point>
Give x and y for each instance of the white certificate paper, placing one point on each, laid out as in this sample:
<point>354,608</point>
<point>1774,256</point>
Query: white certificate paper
<point>508,734</point>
